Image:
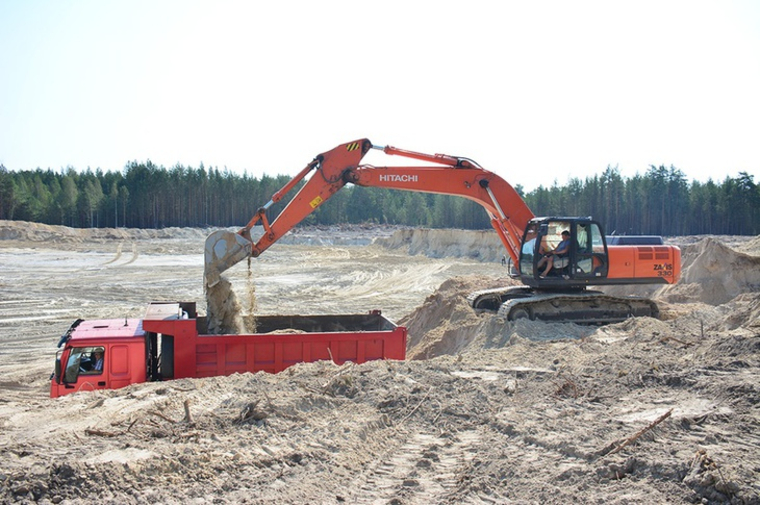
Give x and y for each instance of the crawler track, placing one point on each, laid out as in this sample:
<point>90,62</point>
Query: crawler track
<point>583,307</point>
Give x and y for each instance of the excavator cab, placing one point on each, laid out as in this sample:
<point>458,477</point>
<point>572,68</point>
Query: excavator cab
<point>577,264</point>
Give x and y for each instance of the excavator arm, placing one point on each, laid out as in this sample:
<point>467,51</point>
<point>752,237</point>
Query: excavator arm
<point>449,175</point>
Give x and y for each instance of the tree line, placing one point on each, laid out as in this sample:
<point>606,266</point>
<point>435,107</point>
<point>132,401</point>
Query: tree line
<point>661,201</point>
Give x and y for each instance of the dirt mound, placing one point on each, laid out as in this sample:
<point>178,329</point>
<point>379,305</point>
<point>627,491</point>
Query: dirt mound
<point>36,232</point>
<point>751,246</point>
<point>482,245</point>
<point>713,273</point>
<point>445,324</point>
<point>334,235</point>
<point>743,311</point>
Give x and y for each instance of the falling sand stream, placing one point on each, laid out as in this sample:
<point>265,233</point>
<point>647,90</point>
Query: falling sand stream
<point>225,314</point>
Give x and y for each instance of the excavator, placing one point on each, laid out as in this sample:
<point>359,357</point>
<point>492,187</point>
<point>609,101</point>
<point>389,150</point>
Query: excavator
<point>533,244</point>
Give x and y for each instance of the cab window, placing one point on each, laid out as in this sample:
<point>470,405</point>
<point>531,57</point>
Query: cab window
<point>553,236</point>
<point>84,361</point>
<point>528,250</point>
<point>590,253</point>
<point>597,241</point>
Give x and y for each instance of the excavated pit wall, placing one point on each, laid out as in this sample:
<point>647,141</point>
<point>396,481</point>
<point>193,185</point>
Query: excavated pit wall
<point>483,245</point>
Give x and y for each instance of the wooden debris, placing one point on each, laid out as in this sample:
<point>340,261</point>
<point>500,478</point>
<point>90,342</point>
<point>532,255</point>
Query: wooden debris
<point>100,433</point>
<point>619,445</point>
<point>674,339</point>
<point>418,406</point>
<point>251,413</point>
<point>188,418</point>
<point>159,414</point>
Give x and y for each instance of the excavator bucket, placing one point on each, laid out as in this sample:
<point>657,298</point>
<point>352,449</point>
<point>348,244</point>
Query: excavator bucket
<point>223,250</point>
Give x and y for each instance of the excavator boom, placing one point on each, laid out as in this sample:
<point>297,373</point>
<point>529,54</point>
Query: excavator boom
<point>449,175</point>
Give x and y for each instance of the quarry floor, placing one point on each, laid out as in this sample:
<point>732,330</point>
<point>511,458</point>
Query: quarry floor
<point>482,411</point>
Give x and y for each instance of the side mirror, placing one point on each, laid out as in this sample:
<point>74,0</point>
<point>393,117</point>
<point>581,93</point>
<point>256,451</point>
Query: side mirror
<point>57,375</point>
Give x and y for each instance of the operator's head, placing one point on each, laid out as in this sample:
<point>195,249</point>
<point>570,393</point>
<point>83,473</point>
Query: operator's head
<point>565,234</point>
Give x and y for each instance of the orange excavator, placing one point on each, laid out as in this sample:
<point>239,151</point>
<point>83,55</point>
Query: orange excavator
<point>556,258</point>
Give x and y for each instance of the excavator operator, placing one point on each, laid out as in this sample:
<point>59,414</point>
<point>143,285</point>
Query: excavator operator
<point>554,258</point>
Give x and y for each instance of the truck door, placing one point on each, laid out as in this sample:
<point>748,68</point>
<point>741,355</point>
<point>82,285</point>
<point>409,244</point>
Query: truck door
<point>85,369</point>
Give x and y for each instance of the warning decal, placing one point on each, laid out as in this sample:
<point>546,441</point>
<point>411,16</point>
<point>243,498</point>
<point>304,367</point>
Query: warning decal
<point>315,203</point>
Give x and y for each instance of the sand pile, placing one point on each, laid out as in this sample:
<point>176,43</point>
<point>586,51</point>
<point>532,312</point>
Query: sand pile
<point>36,232</point>
<point>750,246</point>
<point>445,323</point>
<point>713,273</point>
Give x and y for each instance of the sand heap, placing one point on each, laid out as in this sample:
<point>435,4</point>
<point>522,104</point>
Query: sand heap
<point>713,273</point>
<point>445,324</point>
<point>751,247</point>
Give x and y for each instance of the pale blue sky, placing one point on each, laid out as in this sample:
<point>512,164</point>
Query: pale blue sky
<point>535,91</point>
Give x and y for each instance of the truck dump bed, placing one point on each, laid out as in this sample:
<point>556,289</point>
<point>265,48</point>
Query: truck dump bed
<point>280,341</point>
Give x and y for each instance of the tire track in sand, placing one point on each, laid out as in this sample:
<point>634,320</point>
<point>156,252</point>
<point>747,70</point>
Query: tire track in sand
<point>425,469</point>
<point>118,254</point>
<point>135,254</point>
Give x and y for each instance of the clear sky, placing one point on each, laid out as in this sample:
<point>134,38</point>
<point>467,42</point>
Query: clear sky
<point>535,91</point>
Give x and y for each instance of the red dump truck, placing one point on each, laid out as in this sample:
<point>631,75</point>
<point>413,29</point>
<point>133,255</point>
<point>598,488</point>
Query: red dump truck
<point>170,342</point>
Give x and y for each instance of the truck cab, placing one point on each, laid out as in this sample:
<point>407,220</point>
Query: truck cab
<point>99,354</point>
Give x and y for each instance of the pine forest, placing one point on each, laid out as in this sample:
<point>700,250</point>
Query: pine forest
<point>661,201</point>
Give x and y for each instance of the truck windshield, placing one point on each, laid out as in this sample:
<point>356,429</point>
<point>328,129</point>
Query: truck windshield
<point>85,361</point>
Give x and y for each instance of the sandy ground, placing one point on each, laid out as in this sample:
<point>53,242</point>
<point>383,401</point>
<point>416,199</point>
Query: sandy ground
<point>483,411</point>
